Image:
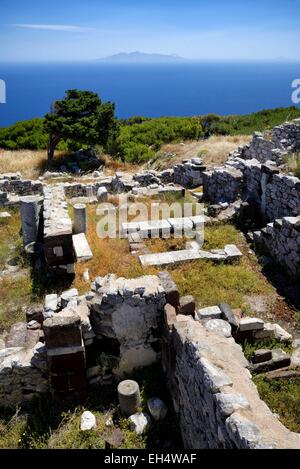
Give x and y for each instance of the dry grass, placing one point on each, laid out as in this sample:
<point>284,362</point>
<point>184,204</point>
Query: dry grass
<point>109,256</point>
<point>213,151</point>
<point>33,163</point>
<point>30,163</point>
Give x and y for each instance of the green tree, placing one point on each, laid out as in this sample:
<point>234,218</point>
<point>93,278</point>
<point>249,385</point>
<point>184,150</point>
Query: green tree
<point>81,117</point>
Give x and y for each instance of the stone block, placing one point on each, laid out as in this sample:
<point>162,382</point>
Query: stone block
<point>170,315</point>
<point>81,248</point>
<point>262,355</point>
<point>211,312</point>
<point>170,288</point>
<point>228,315</point>
<point>251,324</point>
<point>62,331</point>
<point>187,305</point>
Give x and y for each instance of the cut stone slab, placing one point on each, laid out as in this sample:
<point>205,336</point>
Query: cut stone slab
<point>160,259</point>
<point>157,408</point>
<point>139,422</point>
<point>251,324</point>
<point>197,221</point>
<point>232,252</point>
<point>280,359</point>
<point>180,224</point>
<point>282,374</point>
<point>154,228</point>
<point>184,255</point>
<point>219,326</point>
<point>262,355</point>
<point>88,421</point>
<point>228,315</point>
<point>81,247</point>
<point>51,302</point>
<point>130,227</point>
<point>211,312</point>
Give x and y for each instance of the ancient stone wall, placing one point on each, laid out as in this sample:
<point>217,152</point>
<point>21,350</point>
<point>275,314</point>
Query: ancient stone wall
<point>217,403</point>
<point>129,311</point>
<point>13,184</point>
<point>275,195</point>
<point>189,173</point>
<point>281,239</point>
<point>222,185</point>
<point>23,366</point>
<point>58,243</point>
<point>273,145</point>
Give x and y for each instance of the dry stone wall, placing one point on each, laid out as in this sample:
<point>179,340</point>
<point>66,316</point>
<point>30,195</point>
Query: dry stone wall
<point>217,403</point>
<point>129,311</point>
<point>222,185</point>
<point>13,184</point>
<point>189,173</point>
<point>281,239</point>
<point>272,145</point>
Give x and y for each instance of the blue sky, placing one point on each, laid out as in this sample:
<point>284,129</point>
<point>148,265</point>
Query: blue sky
<point>68,30</point>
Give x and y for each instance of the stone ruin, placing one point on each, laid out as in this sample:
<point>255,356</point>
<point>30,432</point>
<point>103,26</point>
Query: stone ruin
<point>141,321</point>
<point>253,178</point>
<point>272,146</point>
<point>74,342</point>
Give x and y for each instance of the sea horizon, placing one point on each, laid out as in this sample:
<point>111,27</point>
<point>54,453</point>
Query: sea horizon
<point>179,88</point>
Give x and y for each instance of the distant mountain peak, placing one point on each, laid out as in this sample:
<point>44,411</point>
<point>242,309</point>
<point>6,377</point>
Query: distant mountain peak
<point>138,56</point>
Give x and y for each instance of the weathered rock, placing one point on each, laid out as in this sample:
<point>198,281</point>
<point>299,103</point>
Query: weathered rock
<point>139,422</point>
<point>187,305</point>
<point>51,302</point>
<point>88,421</point>
<point>219,326</point>
<point>157,408</point>
<point>102,194</point>
<point>228,315</point>
<point>229,403</point>
<point>245,432</point>
<point>114,440</point>
<point>170,287</point>
<point>281,335</point>
<point>211,312</point>
<point>295,358</point>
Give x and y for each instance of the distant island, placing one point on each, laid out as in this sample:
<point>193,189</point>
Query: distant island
<point>141,57</point>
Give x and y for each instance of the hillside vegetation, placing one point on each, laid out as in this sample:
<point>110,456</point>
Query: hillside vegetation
<point>139,138</point>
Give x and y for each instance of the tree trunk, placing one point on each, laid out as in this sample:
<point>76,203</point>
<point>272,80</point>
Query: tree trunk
<point>53,141</point>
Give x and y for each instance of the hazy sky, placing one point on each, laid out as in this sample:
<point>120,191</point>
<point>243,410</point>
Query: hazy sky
<point>216,29</point>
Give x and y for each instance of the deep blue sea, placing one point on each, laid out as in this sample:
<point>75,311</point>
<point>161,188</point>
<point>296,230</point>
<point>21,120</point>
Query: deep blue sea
<point>182,89</point>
